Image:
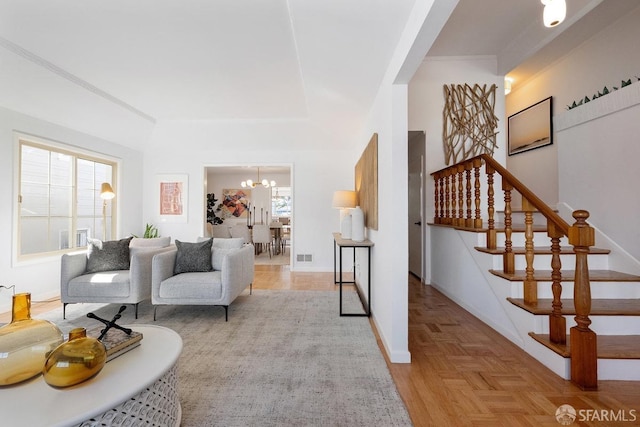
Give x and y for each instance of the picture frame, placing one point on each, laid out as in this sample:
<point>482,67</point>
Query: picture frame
<point>172,195</point>
<point>530,128</point>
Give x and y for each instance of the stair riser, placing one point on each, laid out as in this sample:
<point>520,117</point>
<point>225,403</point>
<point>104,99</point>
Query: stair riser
<point>518,218</point>
<point>601,325</point>
<point>543,262</point>
<point>608,369</point>
<point>599,290</point>
<point>518,239</point>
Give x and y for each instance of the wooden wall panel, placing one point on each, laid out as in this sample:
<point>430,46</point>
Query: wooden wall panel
<point>367,183</point>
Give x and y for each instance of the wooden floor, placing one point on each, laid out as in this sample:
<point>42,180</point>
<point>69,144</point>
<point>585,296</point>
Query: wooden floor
<point>463,373</point>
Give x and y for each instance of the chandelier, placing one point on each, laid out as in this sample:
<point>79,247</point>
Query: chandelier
<point>252,184</point>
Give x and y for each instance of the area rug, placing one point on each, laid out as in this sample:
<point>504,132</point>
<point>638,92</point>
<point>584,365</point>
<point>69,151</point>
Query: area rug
<point>284,358</point>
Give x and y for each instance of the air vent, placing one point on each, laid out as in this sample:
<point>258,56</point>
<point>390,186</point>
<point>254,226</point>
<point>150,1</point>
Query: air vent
<point>304,257</point>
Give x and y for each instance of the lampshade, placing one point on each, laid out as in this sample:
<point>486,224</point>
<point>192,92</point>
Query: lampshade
<point>106,192</point>
<point>344,199</point>
<point>554,12</point>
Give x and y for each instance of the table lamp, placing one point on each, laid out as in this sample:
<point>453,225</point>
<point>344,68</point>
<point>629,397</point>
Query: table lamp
<point>344,200</point>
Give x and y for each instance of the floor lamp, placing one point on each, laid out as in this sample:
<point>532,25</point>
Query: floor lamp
<point>106,193</point>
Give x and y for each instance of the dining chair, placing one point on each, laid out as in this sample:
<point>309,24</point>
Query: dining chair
<point>221,231</point>
<point>262,236</point>
<point>241,230</point>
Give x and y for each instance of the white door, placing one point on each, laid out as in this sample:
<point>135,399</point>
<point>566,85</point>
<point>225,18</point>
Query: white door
<point>415,202</point>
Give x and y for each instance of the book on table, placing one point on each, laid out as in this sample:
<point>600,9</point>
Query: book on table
<point>116,342</point>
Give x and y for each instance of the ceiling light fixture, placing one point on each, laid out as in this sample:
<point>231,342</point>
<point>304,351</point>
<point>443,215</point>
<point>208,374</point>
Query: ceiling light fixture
<point>264,182</point>
<point>507,85</point>
<point>554,12</point>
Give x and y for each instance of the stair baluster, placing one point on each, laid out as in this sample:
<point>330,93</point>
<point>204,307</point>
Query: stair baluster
<point>492,240</point>
<point>557,322</point>
<point>530,284</point>
<point>508,263</point>
<point>477,162</point>
<point>442,219</point>
<point>447,197</point>
<point>436,184</point>
<point>454,197</point>
<point>469,220</point>
<point>460,195</point>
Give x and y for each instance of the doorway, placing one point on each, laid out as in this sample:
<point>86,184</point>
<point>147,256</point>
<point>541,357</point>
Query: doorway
<point>265,204</point>
<point>415,197</point>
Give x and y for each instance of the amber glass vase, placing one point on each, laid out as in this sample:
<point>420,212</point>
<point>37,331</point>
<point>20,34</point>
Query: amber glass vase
<point>25,343</point>
<point>74,361</point>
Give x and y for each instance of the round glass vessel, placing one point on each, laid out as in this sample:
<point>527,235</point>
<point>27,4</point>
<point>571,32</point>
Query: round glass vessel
<point>25,343</point>
<point>74,361</point>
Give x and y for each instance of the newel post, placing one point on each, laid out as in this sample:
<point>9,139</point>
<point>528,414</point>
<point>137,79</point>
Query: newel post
<point>584,353</point>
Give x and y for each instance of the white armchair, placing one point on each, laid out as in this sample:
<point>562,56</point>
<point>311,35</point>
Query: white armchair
<point>231,272</point>
<point>120,285</point>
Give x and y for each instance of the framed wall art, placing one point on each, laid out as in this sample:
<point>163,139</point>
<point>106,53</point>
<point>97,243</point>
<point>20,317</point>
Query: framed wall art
<point>531,128</point>
<point>173,193</point>
<point>366,183</point>
<point>235,203</point>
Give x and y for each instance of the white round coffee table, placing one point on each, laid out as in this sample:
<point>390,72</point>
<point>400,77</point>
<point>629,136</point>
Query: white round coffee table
<point>137,388</point>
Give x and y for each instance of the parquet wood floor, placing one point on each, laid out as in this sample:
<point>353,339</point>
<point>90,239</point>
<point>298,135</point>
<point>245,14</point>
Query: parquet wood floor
<point>463,373</point>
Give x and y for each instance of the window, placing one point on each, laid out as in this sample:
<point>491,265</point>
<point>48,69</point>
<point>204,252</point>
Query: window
<point>59,200</point>
<point>281,202</point>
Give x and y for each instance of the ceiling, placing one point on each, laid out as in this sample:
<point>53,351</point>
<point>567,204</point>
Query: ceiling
<point>119,68</point>
<point>513,32</point>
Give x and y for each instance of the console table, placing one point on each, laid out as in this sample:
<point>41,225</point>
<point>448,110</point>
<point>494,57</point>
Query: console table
<point>338,245</point>
<point>138,387</point>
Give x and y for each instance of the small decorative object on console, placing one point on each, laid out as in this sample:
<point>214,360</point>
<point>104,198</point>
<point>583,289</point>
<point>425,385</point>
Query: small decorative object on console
<point>25,343</point>
<point>357,224</point>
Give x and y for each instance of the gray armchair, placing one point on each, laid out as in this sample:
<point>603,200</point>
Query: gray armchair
<point>231,272</point>
<point>120,286</point>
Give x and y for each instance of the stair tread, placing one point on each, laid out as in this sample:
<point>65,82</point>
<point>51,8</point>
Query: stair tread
<point>599,307</point>
<point>540,250</point>
<point>609,346</point>
<point>569,276</point>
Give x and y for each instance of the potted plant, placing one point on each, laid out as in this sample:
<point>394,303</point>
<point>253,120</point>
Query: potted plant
<point>213,209</point>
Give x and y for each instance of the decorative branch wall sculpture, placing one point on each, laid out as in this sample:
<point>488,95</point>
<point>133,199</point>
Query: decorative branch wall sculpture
<point>468,121</point>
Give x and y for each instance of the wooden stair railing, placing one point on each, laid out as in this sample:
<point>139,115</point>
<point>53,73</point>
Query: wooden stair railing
<point>450,205</point>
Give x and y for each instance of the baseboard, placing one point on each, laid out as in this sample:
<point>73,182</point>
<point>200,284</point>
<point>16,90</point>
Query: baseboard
<point>393,355</point>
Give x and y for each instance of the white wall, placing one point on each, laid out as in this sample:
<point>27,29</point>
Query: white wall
<point>42,277</point>
<point>388,118</point>
<point>426,103</point>
<point>591,162</point>
<point>315,176</point>
<point>599,172</point>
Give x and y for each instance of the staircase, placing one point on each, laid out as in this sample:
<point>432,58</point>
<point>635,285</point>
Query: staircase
<point>545,285</point>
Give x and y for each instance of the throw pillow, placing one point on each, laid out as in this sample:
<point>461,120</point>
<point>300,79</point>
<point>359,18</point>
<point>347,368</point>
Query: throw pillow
<point>218,255</point>
<point>108,256</point>
<point>193,257</point>
<point>153,242</point>
<point>228,243</point>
